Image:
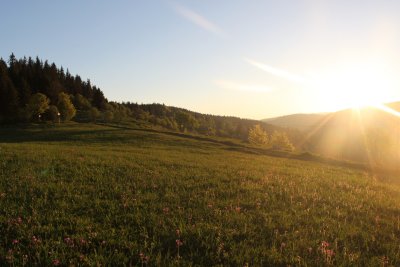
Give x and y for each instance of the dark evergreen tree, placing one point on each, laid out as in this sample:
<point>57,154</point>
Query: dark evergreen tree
<point>22,78</point>
<point>99,101</point>
<point>8,95</point>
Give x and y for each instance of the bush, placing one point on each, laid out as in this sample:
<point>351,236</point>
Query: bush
<point>66,107</point>
<point>258,136</point>
<point>280,141</point>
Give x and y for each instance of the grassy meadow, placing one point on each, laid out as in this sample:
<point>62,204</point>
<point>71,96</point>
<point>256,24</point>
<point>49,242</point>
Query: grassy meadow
<point>97,195</point>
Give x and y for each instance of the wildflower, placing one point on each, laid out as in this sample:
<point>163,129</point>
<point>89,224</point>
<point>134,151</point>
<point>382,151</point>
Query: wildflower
<point>15,241</point>
<point>237,209</point>
<point>166,210</point>
<point>143,258</point>
<point>19,220</point>
<point>93,234</point>
<point>56,262</point>
<point>69,241</point>
<point>329,252</point>
<point>178,243</point>
<point>36,240</point>
<point>385,261</point>
<point>10,255</point>
<point>324,244</point>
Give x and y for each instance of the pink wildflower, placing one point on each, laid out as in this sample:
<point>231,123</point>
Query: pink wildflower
<point>178,243</point>
<point>329,252</point>
<point>324,244</point>
<point>166,210</point>
<point>35,240</point>
<point>69,241</point>
<point>143,258</point>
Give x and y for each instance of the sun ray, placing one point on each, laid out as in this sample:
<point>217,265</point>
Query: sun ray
<point>317,127</point>
<point>395,113</point>
<point>361,125</point>
<point>387,110</point>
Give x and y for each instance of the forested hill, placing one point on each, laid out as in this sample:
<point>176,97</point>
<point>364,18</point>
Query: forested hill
<point>22,78</point>
<point>36,90</point>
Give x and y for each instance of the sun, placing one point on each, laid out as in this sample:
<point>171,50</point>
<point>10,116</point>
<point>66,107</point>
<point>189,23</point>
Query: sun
<point>353,86</point>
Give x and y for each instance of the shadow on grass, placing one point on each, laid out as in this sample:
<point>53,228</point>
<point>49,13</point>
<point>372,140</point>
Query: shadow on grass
<point>112,134</point>
<point>46,133</point>
<point>237,147</point>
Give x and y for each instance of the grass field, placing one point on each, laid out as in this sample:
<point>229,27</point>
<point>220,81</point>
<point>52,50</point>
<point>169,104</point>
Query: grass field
<point>85,194</point>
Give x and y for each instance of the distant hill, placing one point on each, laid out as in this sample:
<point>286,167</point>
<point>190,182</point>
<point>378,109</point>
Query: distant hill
<point>300,122</point>
<point>368,135</point>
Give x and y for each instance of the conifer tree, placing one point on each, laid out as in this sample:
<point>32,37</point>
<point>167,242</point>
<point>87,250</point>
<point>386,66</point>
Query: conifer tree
<point>8,95</point>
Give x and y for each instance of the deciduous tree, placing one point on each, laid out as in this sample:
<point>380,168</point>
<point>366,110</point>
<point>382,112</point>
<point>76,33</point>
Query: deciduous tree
<point>94,114</point>
<point>258,136</point>
<point>280,141</point>
<point>37,105</point>
<point>53,113</point>
<point>65,107</point>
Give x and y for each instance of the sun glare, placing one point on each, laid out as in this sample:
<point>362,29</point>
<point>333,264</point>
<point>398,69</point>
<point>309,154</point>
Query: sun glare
<point>353,86</point>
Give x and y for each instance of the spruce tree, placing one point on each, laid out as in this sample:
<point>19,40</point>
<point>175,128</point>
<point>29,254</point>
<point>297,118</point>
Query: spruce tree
<point>8,95</point>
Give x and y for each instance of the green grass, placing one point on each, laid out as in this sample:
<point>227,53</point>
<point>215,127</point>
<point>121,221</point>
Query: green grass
<point>84,194</point>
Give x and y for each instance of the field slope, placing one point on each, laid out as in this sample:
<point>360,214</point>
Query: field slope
<point>85,194</point>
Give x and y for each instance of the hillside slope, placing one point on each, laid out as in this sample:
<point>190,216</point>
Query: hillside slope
<point>300,122</point>
<point>85,194</point>
<point>368,134</point>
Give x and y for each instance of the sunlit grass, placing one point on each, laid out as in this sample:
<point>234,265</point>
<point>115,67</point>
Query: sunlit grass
<point>82,195</point>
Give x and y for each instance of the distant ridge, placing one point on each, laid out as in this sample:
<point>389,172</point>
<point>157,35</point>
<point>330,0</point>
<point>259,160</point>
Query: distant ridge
<point>368,134</point>
<point>300,121</point>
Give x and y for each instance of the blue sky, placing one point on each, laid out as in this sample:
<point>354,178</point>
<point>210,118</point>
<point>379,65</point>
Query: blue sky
<point>253,59</point>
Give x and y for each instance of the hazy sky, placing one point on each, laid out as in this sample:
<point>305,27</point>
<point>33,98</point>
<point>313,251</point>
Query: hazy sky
<point>253,59</point>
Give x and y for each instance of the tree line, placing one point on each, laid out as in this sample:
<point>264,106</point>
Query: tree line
<point>33,90</point>
<point>24,80</point>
